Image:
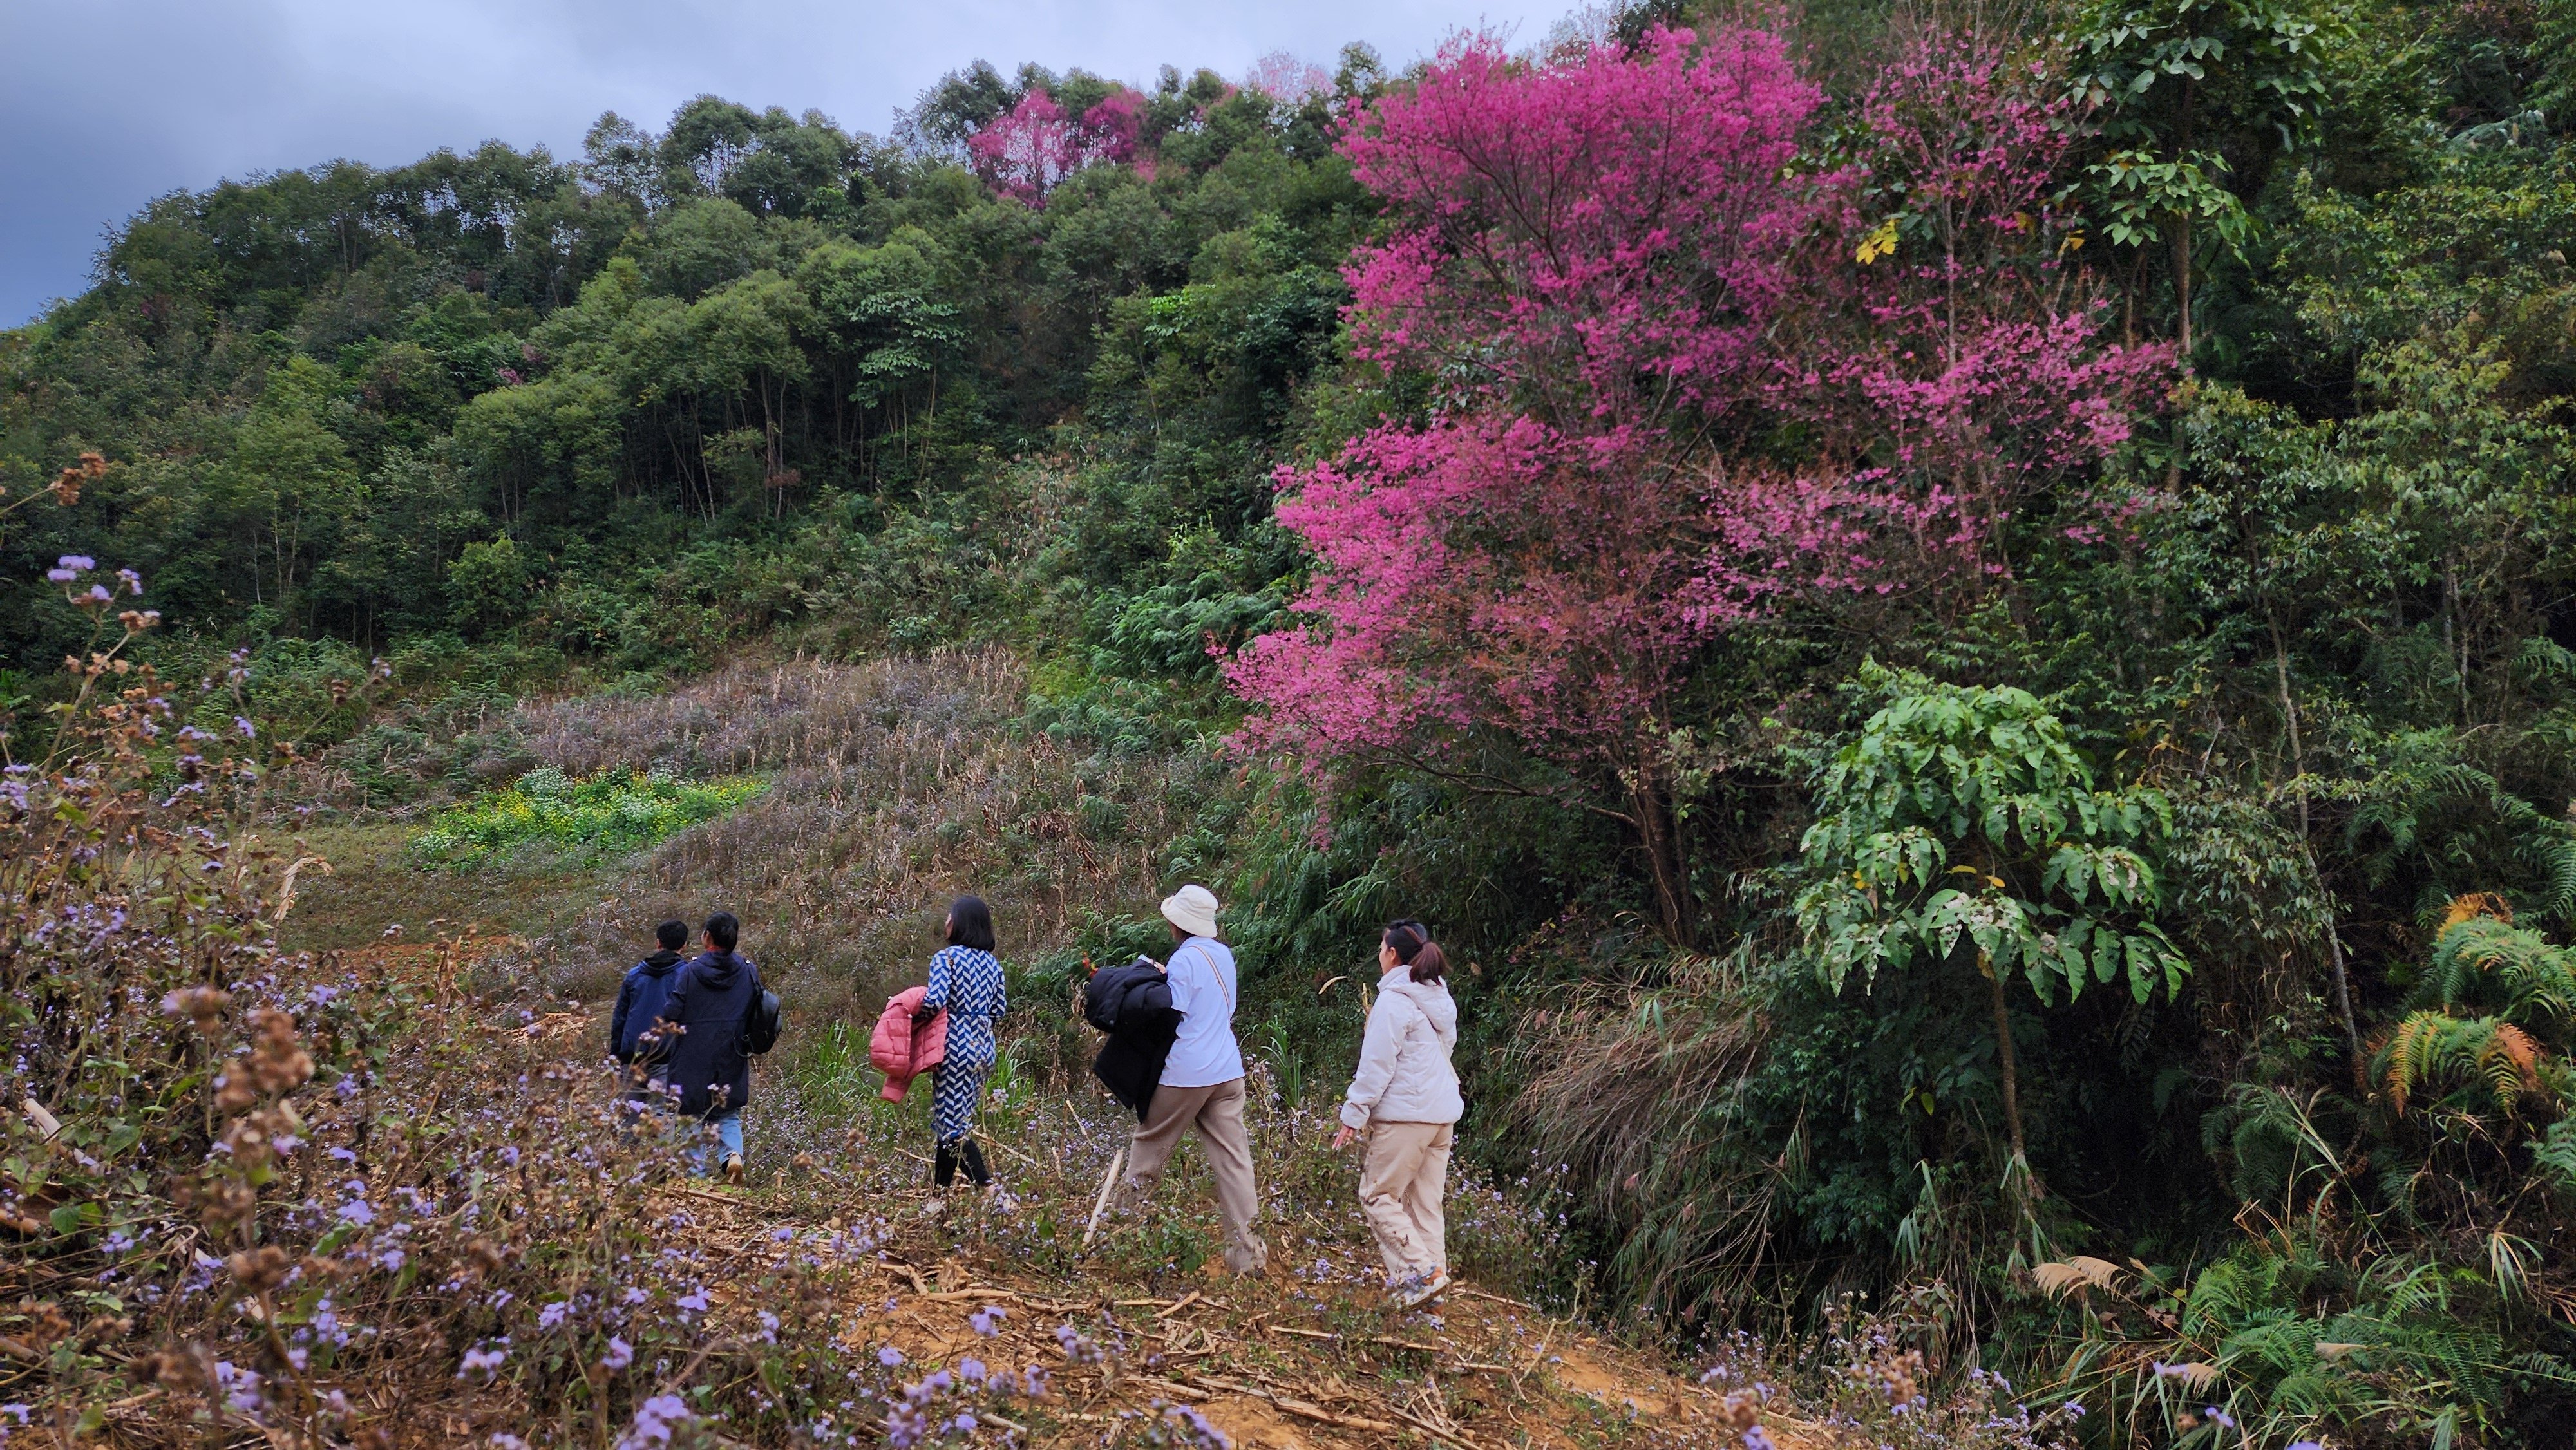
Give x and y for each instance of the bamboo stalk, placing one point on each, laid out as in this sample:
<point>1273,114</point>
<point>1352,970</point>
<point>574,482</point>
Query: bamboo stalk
<point>1100,1205</point>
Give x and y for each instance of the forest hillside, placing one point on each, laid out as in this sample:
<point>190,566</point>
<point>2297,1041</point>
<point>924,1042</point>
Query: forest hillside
<point>1958,616</point>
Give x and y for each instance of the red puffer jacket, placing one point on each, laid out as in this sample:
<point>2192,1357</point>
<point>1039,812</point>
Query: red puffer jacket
<point>902,1051</point>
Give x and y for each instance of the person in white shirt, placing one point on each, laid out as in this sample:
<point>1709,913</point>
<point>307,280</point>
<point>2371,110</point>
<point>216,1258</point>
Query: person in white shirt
<point>1405,1098</point>
<point>1202,1082</point>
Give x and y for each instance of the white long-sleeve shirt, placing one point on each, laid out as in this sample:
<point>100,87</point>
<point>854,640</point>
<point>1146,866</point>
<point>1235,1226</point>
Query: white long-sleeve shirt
<point>1204,1054</point>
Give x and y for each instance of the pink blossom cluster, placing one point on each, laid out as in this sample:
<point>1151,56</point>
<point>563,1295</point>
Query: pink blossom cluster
<point>1285,78</point>
<point>1595,239</point>
<point>1970,357</point>
<point>1491,564</point>
<point>1626,286</point>
<point>1028,149</point>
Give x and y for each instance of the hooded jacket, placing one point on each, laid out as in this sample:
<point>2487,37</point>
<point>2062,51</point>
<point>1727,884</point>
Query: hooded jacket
<point>1133,1004</point>
<point>903,1051</point>
<point>704,1061</point>
<point>639,1001</point>
<point>1404,1075</point>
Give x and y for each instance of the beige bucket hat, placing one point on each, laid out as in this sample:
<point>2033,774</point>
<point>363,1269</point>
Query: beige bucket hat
<point>1192,909</point>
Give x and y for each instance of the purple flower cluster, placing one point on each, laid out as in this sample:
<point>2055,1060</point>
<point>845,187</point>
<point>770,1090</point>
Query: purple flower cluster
<point>655,1419</point>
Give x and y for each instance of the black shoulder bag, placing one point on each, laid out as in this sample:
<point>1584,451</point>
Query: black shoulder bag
<point>760,1019</point>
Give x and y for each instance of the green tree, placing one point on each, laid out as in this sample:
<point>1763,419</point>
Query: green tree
<point>2189,101</point>
<point>488,586</point>
<point>289,485</point>
<point>1961,828</point>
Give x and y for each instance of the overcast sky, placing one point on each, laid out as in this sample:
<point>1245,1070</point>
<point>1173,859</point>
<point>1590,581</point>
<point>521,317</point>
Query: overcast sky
<point>105,104</point>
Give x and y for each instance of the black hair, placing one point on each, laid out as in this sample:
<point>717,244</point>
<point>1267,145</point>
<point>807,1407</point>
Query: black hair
<point>1411,942</point>
<point>673,934</point>
<point>970,924</point>
<point>723,930</point>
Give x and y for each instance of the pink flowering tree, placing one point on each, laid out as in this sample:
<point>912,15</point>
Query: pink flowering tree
<point>1285,78</point>
<point>1026,150</point>
<point>1616,276</point>
<point>1962,347</point>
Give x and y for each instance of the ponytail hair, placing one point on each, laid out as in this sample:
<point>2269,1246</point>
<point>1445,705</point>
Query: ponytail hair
<point>1430,964</point>
<point>1411,942</point>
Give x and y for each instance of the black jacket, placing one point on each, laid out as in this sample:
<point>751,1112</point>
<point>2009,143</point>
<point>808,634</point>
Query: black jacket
<point>1133,1004</point>
<point>705,1062</point>
<point>639,1002</point>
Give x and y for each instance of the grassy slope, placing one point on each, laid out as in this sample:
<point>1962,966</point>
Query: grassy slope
<point>840,871</point>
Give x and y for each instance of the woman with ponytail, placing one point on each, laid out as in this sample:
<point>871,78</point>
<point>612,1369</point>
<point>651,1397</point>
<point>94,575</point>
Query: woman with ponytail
<point>1405,1099</point>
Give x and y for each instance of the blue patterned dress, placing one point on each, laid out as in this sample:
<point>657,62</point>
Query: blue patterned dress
<point>969,984</point>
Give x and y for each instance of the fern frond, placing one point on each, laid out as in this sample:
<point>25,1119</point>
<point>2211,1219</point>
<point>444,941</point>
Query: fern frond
<point>2484,963</point>
<point>2515,1047</point>
<point>2475,904</point>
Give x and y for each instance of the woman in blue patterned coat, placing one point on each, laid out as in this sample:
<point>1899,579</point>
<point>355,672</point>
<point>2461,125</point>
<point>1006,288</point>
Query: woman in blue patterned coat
<point>965,979</point>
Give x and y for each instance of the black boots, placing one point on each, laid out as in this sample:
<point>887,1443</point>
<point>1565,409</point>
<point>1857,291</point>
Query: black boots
<point>943,1168</point>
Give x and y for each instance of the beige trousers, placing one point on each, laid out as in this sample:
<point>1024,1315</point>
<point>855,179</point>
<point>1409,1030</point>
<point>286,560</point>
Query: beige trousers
<point>1217,1112</point>
<point>1403,1175</point>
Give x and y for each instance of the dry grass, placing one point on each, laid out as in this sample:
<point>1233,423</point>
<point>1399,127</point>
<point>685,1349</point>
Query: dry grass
<point>1627,1086</point>
<point>897,785</point>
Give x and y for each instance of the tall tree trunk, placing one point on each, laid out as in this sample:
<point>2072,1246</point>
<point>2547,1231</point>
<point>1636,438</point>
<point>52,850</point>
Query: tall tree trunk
<point>2455,639</point>
<point>2307,852</point>
<point>1653,815</point>
<point>2182,281</point>
<point>2023,1181</point>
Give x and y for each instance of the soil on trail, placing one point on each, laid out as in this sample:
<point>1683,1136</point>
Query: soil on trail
<point>1266,1364</point>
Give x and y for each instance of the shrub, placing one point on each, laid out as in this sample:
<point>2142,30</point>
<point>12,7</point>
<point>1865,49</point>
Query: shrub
<point>604,815</point>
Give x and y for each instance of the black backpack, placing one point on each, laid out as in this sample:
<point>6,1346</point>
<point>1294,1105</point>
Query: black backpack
<point>759,1030</point>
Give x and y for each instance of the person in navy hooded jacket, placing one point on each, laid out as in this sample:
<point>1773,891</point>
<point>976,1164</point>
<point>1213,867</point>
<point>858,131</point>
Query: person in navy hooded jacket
<point>704,1071</point>
<point>640,998</point>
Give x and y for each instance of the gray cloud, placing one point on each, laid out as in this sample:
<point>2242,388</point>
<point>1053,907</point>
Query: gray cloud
<point>105,104</point>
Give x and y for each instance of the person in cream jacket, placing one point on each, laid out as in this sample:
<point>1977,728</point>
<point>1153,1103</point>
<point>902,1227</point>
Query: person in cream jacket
<point>1405,1099</point>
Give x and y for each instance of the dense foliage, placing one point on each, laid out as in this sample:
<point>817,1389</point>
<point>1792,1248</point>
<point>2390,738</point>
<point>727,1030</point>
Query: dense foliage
<point>1808,554</point>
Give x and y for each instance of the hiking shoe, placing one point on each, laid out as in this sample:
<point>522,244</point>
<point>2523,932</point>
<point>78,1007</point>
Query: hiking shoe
<point>733,1169</point>
<point>1423,1291</point>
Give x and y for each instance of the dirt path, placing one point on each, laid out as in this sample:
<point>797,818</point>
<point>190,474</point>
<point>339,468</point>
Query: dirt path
<point>1265,1359</point>
<point>1280,1361</point>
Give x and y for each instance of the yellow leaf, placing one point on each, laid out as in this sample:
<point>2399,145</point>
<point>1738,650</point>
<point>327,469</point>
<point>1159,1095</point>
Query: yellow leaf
<point>1877,244</point>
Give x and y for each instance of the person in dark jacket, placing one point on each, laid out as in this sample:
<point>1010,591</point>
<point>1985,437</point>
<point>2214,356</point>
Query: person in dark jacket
<point>640,997</point>
<point>704,1071</point>
<point>1133,1004</point>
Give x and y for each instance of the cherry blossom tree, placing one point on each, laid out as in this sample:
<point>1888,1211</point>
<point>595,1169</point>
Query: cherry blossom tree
<point>1620,281</point>
<point>1963,348</point>
<point>1285,78</point>
<point>1026,150</point>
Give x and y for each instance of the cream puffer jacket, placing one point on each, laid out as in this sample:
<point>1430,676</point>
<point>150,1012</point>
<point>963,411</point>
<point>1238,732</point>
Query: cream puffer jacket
<point>1404,1075</point>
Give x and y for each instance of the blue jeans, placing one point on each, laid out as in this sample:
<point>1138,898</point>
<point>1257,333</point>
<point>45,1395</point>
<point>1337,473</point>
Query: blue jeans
<point>728,1133</point>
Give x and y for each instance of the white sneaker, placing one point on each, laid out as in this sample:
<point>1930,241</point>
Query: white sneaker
<point>1423,1291</point>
